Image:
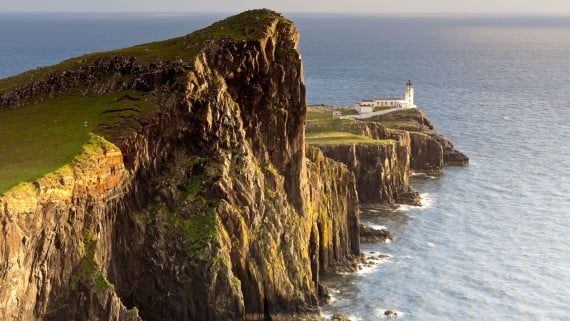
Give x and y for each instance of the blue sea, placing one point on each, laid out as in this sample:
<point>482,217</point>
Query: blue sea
<point>491,241</point>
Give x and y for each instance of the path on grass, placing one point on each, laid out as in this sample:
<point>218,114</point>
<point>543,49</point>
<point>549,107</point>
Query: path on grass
<point>372,114</point>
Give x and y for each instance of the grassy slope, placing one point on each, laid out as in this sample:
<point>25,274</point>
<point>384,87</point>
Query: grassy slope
<point>36,139</point>
<point>322,129</point>
<point>402,119</point>
<point>40,138</point>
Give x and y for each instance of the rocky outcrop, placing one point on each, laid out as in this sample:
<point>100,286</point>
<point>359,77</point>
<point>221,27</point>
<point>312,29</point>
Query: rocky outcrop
<point>97,77</point>
<point>426,154</point>
<point>451,156</point>
<point>209,211</point>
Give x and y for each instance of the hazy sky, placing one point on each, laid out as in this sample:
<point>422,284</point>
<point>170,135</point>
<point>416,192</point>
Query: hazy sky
<point>368,6</point>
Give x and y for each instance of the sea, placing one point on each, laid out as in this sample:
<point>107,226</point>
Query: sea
<point>492,240</point>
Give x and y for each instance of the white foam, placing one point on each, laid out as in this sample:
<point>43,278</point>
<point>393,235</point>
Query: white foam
<point>332,295</point>
<point>430,244</point>
<point>427,202</point>
<point>332,298</point>
<point>377,226</point>
<point>424,175</point>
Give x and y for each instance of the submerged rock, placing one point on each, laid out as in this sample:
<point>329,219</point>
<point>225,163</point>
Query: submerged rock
<point>391,312</point>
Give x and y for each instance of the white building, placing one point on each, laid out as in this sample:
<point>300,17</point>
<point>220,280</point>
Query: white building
<point>366,106</point>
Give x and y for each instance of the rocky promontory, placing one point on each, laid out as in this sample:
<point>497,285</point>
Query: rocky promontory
<point>383,151</point>
<point>194,195</point>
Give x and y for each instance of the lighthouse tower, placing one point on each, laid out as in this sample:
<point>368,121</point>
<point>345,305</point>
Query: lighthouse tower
<point>409,95</point>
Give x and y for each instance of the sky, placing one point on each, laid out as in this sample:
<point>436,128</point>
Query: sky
<point>534,7</point>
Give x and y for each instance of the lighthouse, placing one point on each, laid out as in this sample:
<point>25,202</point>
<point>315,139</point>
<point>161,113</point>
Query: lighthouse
<point>409,95</point>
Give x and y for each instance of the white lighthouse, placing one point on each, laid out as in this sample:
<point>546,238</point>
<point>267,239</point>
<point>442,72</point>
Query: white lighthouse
<point>368,106</point>
<point>409,95</point>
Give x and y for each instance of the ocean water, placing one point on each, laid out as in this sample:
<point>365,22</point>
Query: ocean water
<point>492,240</point>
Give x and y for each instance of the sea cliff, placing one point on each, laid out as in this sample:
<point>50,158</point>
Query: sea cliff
<point>210,206</point>
<point>384,151</point>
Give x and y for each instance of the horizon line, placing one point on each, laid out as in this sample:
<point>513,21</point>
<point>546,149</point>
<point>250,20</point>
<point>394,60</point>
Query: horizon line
<point>360,13</point>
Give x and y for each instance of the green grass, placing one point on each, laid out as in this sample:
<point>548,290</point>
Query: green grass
<point>195,216</point>
<point>395,124</point>
<point>348,111</point>
<point>318,113</point>
<point>322,129</point>
<point>401,119</point>
<point>321,121</point>
<point>41,138</point>
<point>245,26</point>
<point>89,273</point>
<point>381,108</point>
<point>341,138</point>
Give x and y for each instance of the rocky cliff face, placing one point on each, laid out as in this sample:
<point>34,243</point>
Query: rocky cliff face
<point>426,151</point>
<point>381,170</point>
<point>209,211</point>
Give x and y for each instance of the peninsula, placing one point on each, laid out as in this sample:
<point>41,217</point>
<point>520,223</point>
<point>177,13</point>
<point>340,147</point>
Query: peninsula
<point>191,183</point>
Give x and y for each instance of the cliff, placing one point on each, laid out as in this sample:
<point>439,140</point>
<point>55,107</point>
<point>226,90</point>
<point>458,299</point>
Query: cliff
<point>206,208</point>
<point>425,138</point>
<point>381,170</point>
<point>383,151</point>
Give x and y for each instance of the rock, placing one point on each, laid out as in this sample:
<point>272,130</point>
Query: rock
<point>391,312</point>
<point>339,317</point>
<point>371,235</point>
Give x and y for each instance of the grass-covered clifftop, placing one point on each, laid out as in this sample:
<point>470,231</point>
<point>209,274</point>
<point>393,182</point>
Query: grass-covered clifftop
<point>323,129</point>
<point>42,137</point>
<point>45,119</point>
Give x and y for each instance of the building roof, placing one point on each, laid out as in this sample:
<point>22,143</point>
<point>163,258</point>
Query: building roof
<point>387,99</point>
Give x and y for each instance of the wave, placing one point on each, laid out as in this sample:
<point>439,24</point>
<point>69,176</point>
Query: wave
<point>423,175</point>
<point>427,202</point>
<point>376,226</point>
